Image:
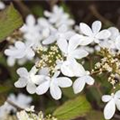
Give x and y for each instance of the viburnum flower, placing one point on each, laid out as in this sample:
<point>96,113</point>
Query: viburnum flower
<point>31,31</point>
<point>60,34</point>
<point>27,79</point>
<point>113,103</point>
<point>58,17</point>
<point>113,41</point>
<point>83,78</point>
<point>21,100</point>
<point>71,49</point>
<point>45,27</point>
<point>20,50</point>
<point>54,83</point>
<point>2,5</point>
<point>94,34</point>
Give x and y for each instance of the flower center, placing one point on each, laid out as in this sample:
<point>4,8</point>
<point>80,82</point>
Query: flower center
<point>48,57</point>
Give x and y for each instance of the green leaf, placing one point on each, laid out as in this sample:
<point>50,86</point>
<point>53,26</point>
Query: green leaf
<point>10,20</point>
<point>72,109</point>
<point>95,115</point>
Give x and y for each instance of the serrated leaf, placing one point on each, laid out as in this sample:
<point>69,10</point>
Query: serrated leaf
<point>72,109</point>
<point>10,20</point>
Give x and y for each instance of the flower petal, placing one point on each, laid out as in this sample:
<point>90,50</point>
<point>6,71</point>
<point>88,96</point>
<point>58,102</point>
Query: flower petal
<point>22,72</point>
<point>55,92</point>
<point>109,110</point>
<point>117,102</point>
<point>79,53</point>
<point>106,98</point>
<point>85,29</point>
<point>31,87</point>
<point>30,20</point>
<point>117,94</point>
<point>74,42</point>
<point>63,45</point>
<point>89,80</point>
<point>51,39</point>
<point>84,40</point>
<point>43,88</point>
<point>64,82</point>
<point>21,83</point>
<point>96,26</point>
<point>104,34</point>
<point>117,42</point>
<point>78,85</point>
<point>114,32</point>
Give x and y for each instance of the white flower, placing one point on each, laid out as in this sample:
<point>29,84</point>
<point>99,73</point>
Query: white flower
<point>62,33</point>
<point>94,33</point>
<point>22,115</point>
<point>27,79</point>
<point>31,31</point>
<point>58,17</point>
<point>70,49</point>
<point>83,78</point>
<point>113,103</point>
<point>45,27</point>
<point>113,41</point>
<point>20,50</point>
<point>21,100</point>
<point>54,83</point>
<point>2,5</point>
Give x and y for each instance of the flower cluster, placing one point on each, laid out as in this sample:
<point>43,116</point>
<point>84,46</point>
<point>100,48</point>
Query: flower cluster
<point>12,103</point>
<point>57,51</point>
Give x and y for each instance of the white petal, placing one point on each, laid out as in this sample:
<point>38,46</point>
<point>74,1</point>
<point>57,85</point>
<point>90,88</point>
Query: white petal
<point>49,40</point>
<point>64,82</point>
<point>89,80</point>
<point>21,83</point>
<point>31,88</point>
<point>106,98</point>
<point>19,45</point>
<point>55,92</point>
<point>74,42</point>
<point>117,94</point>
<point>11,61</point>
<point>85,29</point>
<point>66,69</point>
<point>30,53</point>
<point>38,79</point>
<point>62,28</point>
<point>78,85</point>
<point>72,68</point>
<point>104,34</point>
<point>117,42</point>
<point>84,40</point>
<point>33,70</point>
<point>63,45</point>
<point>109,110</point>
<point>30,20</point>
<point>114,32</point>
<point>96,26</point>
<point>79,53</point>
<point>43,88</point>
<point>22,72</point>
<point>117,101</point>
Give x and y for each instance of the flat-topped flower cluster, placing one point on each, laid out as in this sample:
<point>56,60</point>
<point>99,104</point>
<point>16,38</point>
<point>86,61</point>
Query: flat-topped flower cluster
<point>57,51</point>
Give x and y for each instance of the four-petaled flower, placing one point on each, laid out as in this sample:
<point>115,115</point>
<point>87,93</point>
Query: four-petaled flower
<point>94,33</point>
<point>20,50</point>
<point>27,79</point>
<point>113,103</point>
<point>53,83</point>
